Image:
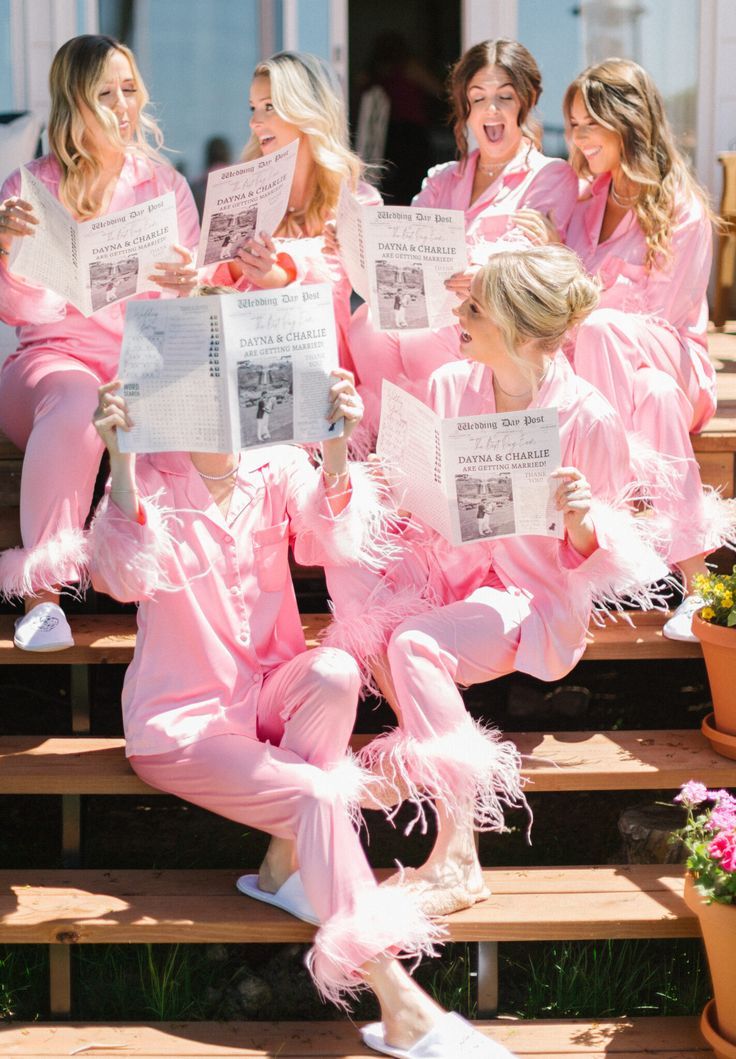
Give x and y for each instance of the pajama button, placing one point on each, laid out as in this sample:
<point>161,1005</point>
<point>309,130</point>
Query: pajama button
<point>234,590</point>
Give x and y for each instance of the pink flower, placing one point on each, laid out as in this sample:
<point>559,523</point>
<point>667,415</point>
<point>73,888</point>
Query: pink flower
<point>723,848</point>
<point>692,794</point>
<point>722,818</point>
<point>723,798</point>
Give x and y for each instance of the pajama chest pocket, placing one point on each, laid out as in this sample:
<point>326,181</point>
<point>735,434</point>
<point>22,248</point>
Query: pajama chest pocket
<point>271,556</point>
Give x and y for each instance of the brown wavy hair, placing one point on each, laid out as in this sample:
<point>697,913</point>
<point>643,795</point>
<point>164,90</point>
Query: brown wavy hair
<point>76,73</point>
<point>521,68</point>
<point>621,96</point>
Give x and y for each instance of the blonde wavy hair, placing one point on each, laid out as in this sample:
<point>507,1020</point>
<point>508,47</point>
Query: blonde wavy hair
<point>520,67</point>
<point>77,71</point>
<point>622,97</point>
<point>305,92</point>
<point>536,294</point>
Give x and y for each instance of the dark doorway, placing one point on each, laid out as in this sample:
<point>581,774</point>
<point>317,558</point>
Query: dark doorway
<point>407,48</point>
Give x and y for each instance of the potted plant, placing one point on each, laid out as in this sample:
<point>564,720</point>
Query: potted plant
<point>709,835</point>
<point>715,627</point>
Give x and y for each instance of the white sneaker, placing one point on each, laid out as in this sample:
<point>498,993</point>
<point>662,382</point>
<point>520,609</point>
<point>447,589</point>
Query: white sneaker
<point>44,628</point>
<point>680,625</point>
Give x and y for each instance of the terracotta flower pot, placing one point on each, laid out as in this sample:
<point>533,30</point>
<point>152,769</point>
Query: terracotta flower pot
<point>718,927</point>
<point>719,652</point>
<point>723,1049</point>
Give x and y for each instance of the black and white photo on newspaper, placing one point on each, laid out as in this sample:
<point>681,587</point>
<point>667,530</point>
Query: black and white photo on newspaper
<point>472,478</point>
<point>229,371</point>
<point>398,258</point>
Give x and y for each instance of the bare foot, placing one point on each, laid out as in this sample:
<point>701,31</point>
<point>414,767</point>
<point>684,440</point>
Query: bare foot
<point>407,1012</point>
<point>442,888</point>
<point>278,864</point>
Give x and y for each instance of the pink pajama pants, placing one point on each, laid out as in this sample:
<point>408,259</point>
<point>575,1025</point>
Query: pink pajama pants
<point>438,753</point>
<point>645,371</point>
<point>46,407</point>
<point>295,782</point>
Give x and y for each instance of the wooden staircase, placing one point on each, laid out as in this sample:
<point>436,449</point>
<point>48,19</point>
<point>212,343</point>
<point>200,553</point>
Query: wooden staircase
<point>74,906</point>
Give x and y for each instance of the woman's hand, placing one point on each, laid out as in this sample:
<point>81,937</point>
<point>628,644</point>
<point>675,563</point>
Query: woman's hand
<point>459,283</point>
<point>258,261</point>
<point>345,403</point>
<point>573,499</point>
<point>16,219</point>
<point>180,277</point>
<point>332,243</point>
<point>110,416</point>
<point>537,226</point>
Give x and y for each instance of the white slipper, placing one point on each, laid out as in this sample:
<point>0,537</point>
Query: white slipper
<point>680,625</point>
<point>452,1036</point>
<point>290,897</point>
<point>44,628</point>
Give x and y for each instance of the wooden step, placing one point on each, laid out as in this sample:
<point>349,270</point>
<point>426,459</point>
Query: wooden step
<point>101,638</point>
<point>669,1038</point>
<point>529,904</point>
<point>563,761</point>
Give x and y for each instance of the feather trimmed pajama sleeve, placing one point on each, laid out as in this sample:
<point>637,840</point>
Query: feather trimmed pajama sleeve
<point>129,560</point>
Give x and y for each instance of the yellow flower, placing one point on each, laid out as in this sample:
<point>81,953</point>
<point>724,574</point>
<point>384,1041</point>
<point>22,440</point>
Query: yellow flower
<point>718,588</point>
<point>707,613</point>
<point>727,601</point>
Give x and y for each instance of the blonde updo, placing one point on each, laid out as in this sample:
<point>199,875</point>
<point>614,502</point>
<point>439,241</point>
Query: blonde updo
<point>536,294</point>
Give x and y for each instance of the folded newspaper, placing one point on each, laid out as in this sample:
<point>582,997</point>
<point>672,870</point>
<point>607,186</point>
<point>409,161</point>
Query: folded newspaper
<point>94,263</point>
<point>229,371</point>
<point>473,477</point>
<point>398,258</point>
<point>244,200</point>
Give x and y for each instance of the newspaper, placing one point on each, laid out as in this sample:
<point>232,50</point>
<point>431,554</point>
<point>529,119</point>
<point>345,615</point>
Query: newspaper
<point>398,258</point>
<point>229,371</point>
<point>98,262</point>
<point>243,200</point>
<point>474,477</point>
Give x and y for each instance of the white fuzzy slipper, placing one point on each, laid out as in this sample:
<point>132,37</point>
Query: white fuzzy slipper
<point>452,1037</point>
<point>44,628</point>
<point>290,897</point>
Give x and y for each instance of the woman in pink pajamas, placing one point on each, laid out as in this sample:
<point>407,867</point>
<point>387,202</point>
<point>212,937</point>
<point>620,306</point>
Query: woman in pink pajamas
<point>295,96</point>
<point>100,162</point>
<point>245,722</point>
<point>494,88</point>
<point>442,616</point>
<point>644,227</point>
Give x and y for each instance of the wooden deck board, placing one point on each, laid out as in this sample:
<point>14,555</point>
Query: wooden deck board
<point>110,638</point>
<point>531,904</point>
<point>561,761</point>
<point>670,1038</point>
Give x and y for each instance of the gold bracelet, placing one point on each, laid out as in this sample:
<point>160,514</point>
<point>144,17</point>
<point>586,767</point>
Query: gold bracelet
<point>336,475</point>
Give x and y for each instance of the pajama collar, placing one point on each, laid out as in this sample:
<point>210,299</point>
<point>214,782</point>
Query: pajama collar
<point>595,207</point>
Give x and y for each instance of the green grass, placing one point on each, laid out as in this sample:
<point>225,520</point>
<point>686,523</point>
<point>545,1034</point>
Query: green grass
<point>603,979</point>
<point>24,971</point>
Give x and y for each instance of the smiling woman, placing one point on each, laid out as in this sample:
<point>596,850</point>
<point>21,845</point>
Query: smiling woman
<point>104,157</point>
<point>296,96</point>
<point>493,90</point>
